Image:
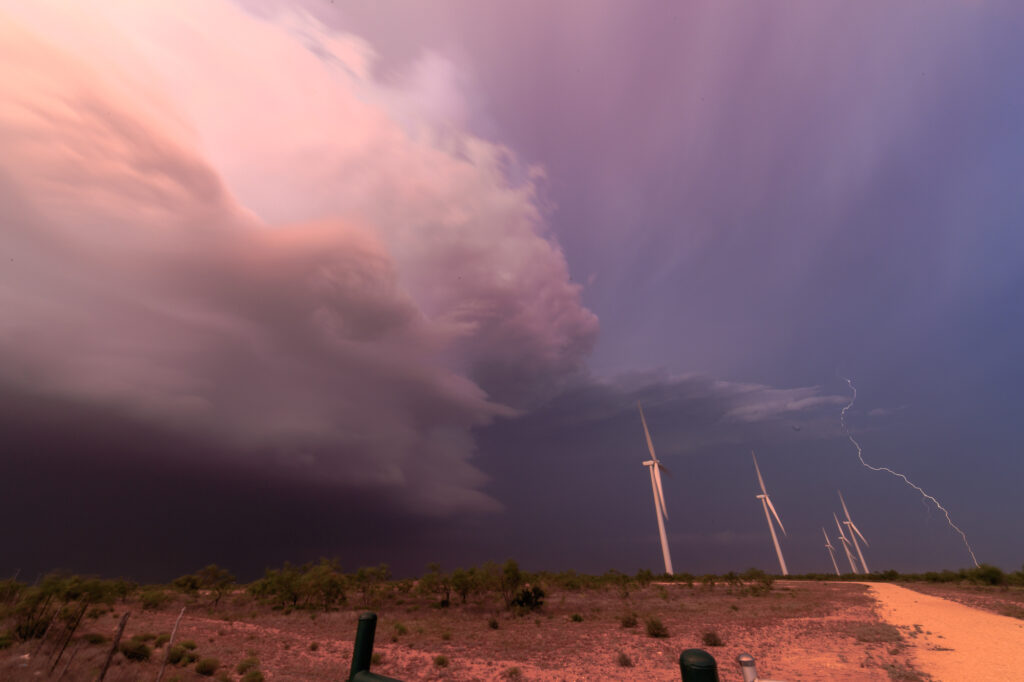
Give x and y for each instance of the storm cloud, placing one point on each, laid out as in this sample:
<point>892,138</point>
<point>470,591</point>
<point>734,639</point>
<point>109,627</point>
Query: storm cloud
<point>269,248</point>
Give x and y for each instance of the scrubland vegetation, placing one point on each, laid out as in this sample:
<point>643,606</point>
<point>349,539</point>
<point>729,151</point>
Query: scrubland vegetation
<point>68,621</point>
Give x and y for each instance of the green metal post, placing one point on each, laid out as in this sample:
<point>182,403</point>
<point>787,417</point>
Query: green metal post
<point>362,653</point>
<point>698,665</point>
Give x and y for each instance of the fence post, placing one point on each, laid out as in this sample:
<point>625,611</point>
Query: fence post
<point>698,665</point>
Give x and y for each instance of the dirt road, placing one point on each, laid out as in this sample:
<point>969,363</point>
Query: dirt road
<point>954,642</point>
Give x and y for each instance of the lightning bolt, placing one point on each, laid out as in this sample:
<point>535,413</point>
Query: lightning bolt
<point>924,495</point>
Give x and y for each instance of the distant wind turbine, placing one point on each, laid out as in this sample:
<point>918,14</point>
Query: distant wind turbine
<point>766,502</point>
<point>854,532</point>
<point>831,550</point>
<point>655,468</point>
<point>846,544</point>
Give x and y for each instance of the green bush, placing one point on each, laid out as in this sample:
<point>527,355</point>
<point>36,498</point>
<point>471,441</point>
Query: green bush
<point>252,676</point>
<point>176,654</point>
<point>576,618</point>
<point>628,620</point>
<point>136,650</point>
<point>246,664</point>
<point>492,623</point>
<point>655,628</point>
<point>207,666</point>
<point>188,644</point>
<point>153,600</point>
<point>6,640</point>
<point>441,661</point>
<point>313,646</point>
<point>711,638</point>
<point>161,640</point>
<point>624,660</point>
<point>528,599</point>
<point>377,658</point>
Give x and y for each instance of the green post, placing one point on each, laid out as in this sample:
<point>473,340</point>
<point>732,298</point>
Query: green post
<point>698,665</point>
<point>362,653</point>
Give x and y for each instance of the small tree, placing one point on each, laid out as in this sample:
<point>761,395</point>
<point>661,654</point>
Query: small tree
<point>324,584</point>
<point>464,583</point>
<point>217,580</point>
<point>436,582</point>
<point>511,579</point>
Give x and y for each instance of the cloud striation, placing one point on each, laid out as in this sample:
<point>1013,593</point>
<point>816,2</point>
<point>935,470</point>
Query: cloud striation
<point>230,226</point>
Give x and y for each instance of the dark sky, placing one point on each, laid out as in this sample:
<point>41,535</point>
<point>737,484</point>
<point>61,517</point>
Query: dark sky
<point>387,283</point>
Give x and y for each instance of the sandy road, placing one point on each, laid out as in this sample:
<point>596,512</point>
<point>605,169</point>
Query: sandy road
<point>954,642</point>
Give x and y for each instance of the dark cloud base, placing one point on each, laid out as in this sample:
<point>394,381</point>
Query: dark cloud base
<point>91,493</point>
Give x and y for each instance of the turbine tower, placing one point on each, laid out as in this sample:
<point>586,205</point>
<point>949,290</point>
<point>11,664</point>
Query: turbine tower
<point>846,544</point>
<point>766,502</point>
<point>831,550</point>
<point>854,532</point>
<point>655,468</point>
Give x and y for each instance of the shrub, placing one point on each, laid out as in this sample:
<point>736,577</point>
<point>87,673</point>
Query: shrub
<point>655,628</point>
<point>136,650</point>
<point>711,638</point>
<point>145,637</point>
<point>176,654</point>
<point>207,666</point>
<point>628,620</point>
<point>161,640</point>
<point>441,661</point>
<point>95,638</point>
<point>153,599</point>
<point>492,623</point>
<point>188,644</point>
<point>313,646</point>
<point>624,660</point>
<point>246,664</point>
<point>576,618</point>
<point>6,640</point>
<point>377,658</point>
<point>513,673</point>
<point>986,574</point>
<point>446,635</point>
<point>529,599</point>
<point>400,629</point>
<point>253,676</point>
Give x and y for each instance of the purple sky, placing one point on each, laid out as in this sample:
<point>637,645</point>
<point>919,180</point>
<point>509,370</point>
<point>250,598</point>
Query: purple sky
<point>266,269</point>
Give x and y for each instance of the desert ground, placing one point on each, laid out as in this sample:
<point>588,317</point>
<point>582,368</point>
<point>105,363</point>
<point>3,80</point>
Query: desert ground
<point>796,631</point>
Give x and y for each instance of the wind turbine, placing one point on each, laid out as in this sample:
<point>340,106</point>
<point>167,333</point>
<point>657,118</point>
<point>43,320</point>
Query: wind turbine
<point>831,550</point>
<point>766,502</point>
<point>854,532</point>
<point>655,468</point>
<point>846,544</point>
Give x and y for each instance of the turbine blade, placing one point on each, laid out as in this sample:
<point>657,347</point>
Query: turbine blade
<point>758,469</point>
<point>661,492</point>
<point>857,531</point>
<point>845,510</point>
<point>828,543</point>
<point>775,513</point>
<point>839,528</point>
<point>647,433</point>
<point>664,469</point>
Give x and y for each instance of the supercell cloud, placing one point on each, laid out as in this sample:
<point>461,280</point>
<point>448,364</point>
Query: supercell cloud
<point>231,226</point>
